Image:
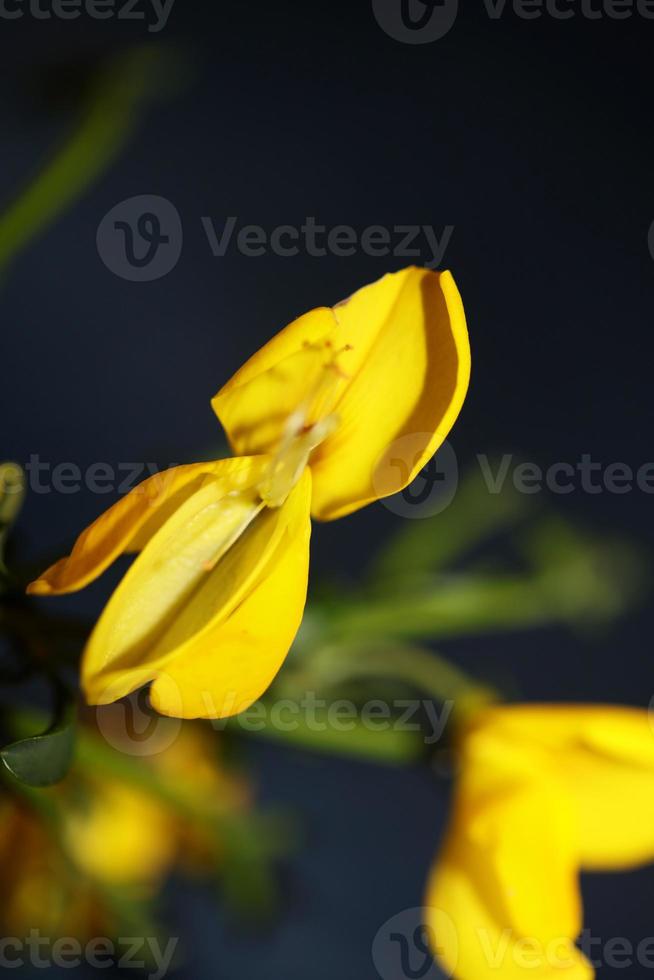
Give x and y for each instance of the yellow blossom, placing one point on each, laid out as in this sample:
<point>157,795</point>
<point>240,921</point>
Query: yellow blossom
<point>209,609</point>
<point>544,792</point>
<point>113,836</point>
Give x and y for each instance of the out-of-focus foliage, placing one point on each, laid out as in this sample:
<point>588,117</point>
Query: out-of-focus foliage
<point>110,110</point>
<point>41,760</point>
<point>91,853</point>
<point>489,564</point>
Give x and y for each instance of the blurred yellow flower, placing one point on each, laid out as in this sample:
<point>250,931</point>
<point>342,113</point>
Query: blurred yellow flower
<point>37,892</point>
<point>103,837</point>
<point>543,793</point>
<point>209,609</point>
<point>120,835</point>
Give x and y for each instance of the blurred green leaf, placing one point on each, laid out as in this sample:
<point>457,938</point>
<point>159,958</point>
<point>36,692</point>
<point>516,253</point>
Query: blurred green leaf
<point>591,579</point>
<point>452,606</point>
<point>426,546</point>
<point>42,760</point>
<point>422,670</point>
<point>250,844</point>
<point>573,579</point>
<point>391,746</point>
<point>109,118</point>
<point>131,914</point>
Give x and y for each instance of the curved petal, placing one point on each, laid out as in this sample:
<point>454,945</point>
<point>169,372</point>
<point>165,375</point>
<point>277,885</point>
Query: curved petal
<point>274,383</point>
<point>409,371</point>
<point>131,522</point>
<point>506,879</point>
<point>209,609</point>
<point>606,755</point>
<point>392,364</point>
<point>227,667</point>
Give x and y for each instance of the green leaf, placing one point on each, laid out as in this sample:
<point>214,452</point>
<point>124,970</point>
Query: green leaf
<point>422,547</point>
<point>110,116</point>
<point>423,670</point>
<point>392,746</point>
<point>42,760</point>
<point>249,845</point>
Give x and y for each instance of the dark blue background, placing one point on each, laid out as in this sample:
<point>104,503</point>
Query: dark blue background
<point>532,138</point>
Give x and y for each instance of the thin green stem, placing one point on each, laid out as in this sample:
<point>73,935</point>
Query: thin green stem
<point>108,121</point>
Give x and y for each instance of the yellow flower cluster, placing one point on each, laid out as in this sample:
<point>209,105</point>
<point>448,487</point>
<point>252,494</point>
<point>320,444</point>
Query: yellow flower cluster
<point>98,835</point>
<point>209,609</point>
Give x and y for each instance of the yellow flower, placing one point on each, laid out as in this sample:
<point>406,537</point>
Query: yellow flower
<point>544,792</point>
<point>121,836</point>
<point>321,420</point>
<point>114,835</point>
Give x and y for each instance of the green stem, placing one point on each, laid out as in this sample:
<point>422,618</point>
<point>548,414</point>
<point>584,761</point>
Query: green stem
<point>107,123</point>
<point>458,606</point>
<point>427,671</point>
<point>306,721</point>
<point>384,745</point>
<point>424,547</point>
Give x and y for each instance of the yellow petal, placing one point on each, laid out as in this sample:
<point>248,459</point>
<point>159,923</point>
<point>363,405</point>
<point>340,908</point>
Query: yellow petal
<point>506,878</point>
<point>391,364</point>
<point>224,669</point>
<point>606,755</point>
<point>255,407</point>
<point>130,523</point>
<point>409,370</point>
<point>209,609</point>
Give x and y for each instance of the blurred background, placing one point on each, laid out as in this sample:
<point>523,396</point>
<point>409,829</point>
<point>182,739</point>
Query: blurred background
<point>525,146</point>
